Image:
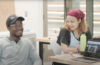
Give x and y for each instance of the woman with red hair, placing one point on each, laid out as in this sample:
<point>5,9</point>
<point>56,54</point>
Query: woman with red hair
<point>69,36</point>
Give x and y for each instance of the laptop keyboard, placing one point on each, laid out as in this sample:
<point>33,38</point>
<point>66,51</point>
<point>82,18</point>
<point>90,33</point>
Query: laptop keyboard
<point>85,59</point>
<point>88,59</point>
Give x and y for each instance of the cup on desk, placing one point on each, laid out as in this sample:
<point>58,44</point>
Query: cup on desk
<point>82,43</point>
<point>81,52</point>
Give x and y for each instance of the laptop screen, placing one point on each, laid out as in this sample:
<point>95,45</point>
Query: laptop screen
<point>92,49</point>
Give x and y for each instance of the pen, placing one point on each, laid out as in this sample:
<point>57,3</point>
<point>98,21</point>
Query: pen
<point>77,50</point>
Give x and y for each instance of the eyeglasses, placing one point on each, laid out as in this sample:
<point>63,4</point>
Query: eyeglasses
<point>16,26</point>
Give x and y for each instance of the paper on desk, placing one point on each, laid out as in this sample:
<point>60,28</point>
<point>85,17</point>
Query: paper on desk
<point>77,55</point>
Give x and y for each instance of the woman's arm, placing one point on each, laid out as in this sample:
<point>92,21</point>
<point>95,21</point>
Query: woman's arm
<point>65,48</point>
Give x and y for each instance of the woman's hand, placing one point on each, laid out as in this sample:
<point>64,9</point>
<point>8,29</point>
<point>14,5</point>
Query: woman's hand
<point>78,46</point>
<point>71,53</point>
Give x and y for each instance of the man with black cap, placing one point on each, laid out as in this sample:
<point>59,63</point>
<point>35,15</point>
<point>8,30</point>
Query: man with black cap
<point>15,50</point>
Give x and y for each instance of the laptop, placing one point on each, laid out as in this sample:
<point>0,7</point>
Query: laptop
<point>92,52</point>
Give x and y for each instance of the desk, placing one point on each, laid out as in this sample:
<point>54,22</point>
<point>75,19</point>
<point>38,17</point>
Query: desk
<point>66,59</point>
<point>45,40</point>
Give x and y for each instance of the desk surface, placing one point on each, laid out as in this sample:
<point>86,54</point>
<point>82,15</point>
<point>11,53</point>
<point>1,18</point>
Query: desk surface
<point>66,59</point>
<point>46,39</point>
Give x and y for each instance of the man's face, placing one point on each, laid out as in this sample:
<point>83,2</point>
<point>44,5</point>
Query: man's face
<point>16,29</point>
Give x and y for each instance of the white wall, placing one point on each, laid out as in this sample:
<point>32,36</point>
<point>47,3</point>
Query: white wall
<point>32,11</point>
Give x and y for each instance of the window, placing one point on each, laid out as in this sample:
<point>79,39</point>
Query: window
<point>96,22</point>
<point>55,11</point>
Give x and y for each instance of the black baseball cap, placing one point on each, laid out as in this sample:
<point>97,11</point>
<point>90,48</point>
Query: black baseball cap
<point>12,18</point>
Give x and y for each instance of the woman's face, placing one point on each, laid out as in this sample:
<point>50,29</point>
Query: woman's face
<point>72,22</point>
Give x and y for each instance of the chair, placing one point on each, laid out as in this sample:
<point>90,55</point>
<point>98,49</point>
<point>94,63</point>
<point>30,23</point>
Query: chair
<point>56,47</point>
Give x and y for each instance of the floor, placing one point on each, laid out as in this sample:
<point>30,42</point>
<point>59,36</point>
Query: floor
<point>47,63</point>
